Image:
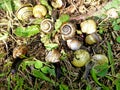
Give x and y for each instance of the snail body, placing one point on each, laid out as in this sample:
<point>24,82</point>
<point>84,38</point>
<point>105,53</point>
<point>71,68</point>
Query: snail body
<point>39,11</point>
<point>46,25</point>
<point>53,56</point>
<point>81,57</point>
<point>25,12</point>
<point>100,59</point>
<point>93,38</point>
<point>74,44</point>
<point>68,31</point>
<point>88,26</point>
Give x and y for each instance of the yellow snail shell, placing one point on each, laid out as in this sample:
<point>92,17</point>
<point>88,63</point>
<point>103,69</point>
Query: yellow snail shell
<point>99,59</point>
<point>81,58</point>
<point>93,38</point>
<point>88,26</point>
<point>39,11</point>
<point>57,3</point>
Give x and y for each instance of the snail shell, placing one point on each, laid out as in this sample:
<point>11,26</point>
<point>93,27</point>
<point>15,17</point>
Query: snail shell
<point>74,44</point>
<point>25,12</point>
<point>46,25</point>
<point>93,38</point>
<point>68,31</point>
<point>20,51</point>
<point>53,56</point>
<point>39,11</point>
<point>88,26</point>
<point>57,3</point>
<point>100,59</point>
<point>112,13</point>
<point>81,57</point>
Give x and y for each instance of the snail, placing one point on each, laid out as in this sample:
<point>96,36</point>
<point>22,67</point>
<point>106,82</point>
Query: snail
<point>112,13</point>
<point>93,38</point>
<point>67,30</point>
<point>88,26</point>
<point>74,44</point>
<point>53,56</point>
<point>46,25</point>
<point>99,59</point>
<point>57,3</point>
<point>20,51</point>
<point>25,12</point>
<point>39,11</point>
<point>81,58</point>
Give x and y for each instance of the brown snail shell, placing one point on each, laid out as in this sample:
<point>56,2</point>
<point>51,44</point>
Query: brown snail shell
<point>20,51</point>
<point>25,12</point>
<point>53,56</point>
<point>46,25</point>
<point>68,31</point>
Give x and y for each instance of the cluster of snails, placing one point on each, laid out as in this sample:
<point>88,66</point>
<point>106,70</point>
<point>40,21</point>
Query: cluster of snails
<point>68,32</point>
<point>88,27</point>
<point>38,11</point>
<point>27,10</point>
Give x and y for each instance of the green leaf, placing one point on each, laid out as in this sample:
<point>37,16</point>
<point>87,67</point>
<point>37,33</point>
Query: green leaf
<point>117,83</point>
<point>118,21</point>
<point>27,32</point>
<point>41,75</point>
<point>101,70</point>
<point>48,70</point>
<point>38,64</point>
<point>62,19</point>
<point>116,27</point>
<point>94,76</point>
<point>88,87</point>
<point>45,3</point>
<point>58,23</point>
<point>118,39</point>
<point>110,57</point>
<point>7,5</point>
<point>51,46</point>
<point>63,87</point>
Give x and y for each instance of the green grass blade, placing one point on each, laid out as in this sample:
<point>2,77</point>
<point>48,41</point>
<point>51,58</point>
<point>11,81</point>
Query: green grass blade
<point>111,60</point>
